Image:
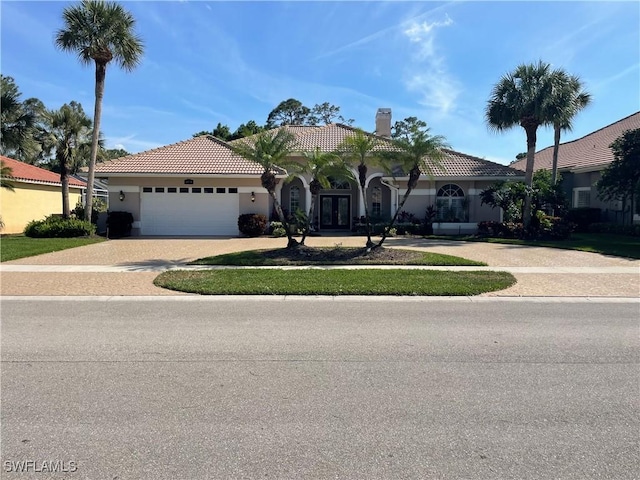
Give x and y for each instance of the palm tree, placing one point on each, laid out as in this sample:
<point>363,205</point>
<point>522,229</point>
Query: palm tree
<point>359,150</point>
<point>521,98</point>
<point>322,166</point>
<point>6,173</point>
<point>68,130</point>
<point>415,151</point>
<point>17,122</point>
<point>270,150</point>
<point>567,99</point>
<point>99,32</point>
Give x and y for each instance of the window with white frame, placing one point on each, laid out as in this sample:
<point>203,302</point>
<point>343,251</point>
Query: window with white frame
<point>581,197</point>
<point>450,203</point>
<point>376,202</point>
<point>294,199</point>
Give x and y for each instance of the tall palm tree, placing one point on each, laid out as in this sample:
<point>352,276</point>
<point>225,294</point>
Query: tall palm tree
<point>68,130</point>
<point>361,150</point>
<point>270,150</point>
<point>416,150</point>
<point>99,32</point>
<point>566,101</point>
<point>521,98</point>
<point>322,166</point>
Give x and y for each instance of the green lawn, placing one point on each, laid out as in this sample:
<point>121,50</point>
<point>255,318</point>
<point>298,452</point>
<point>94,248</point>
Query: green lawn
<point>13,247</point>
<point>252,281</point>
<point>605,243</point>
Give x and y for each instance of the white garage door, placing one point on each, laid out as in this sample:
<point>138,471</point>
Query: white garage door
<point>189,211</point>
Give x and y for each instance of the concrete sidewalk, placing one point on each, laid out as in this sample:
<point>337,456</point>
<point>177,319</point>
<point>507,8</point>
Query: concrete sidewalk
<point>128,266</point>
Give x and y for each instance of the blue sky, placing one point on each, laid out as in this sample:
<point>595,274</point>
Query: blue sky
<point>231,62</point>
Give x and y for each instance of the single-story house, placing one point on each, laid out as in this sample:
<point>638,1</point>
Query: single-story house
<point>581,163</point>
<point>200,187</point>
<point>37,193</point>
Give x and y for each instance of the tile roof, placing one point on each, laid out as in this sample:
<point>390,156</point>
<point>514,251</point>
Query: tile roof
<point>592,150</point>
<point>209,155</point>
<point>456,164</point>
<point>24,172</point>
<point>205,155</point>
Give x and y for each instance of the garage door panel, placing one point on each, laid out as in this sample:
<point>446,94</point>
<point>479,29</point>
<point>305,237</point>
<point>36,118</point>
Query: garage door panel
<point>189,214</point>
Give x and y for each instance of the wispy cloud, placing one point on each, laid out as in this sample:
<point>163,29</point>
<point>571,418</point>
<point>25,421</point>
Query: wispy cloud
<point>131,144</point>
<point>617,76</point>
<point>428,75</point>
<point>383,33</point>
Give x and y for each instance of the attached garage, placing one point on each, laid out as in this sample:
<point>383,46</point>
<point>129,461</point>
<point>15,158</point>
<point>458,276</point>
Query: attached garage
<point>189,211</point>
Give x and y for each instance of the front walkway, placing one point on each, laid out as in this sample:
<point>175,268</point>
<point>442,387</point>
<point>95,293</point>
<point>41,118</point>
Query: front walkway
<point>128,266</point>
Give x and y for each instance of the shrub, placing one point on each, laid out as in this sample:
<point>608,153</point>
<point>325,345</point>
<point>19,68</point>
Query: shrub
<point>279,232</point>
<point>58,227</point>
<point>98,206</point>
<point>583,217</point>
<point>252,224</point>
<point>119,224</point>
<point>616,228</point>
<point>554,228</point>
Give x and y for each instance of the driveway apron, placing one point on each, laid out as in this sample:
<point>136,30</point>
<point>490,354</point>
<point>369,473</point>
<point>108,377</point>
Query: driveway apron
<point>128,266</point>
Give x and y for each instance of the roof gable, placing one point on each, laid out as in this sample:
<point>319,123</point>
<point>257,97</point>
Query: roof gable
<point>23,172</point>
<point>590,151</point>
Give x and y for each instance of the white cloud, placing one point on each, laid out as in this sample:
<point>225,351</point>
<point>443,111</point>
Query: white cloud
<point>428,75</point>
<point>423,34</point>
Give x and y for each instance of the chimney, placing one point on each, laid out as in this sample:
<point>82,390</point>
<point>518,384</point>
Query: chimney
<point>383,122</point>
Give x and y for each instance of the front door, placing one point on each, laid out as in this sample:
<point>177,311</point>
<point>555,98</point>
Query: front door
<point>334,212</point>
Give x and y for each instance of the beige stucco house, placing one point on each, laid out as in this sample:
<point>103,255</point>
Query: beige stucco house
<point>37,193</point>
<point>199,187</point>
<point>581,163</point>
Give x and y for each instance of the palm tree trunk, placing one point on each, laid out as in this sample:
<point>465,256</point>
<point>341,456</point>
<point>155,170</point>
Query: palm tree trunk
<point>556,148</point>
<point>291,242</point>
<point>309,219</point>
<point>528,175</point>
<point>414,175</point>
<point>362,181</point>
<point>101,71</point>
<point>64,180</point>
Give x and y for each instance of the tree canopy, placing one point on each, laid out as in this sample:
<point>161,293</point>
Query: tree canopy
<point>621,179</point>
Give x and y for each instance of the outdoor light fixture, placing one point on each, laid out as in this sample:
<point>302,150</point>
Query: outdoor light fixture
<point>121,195</point>
<point>253,197</point>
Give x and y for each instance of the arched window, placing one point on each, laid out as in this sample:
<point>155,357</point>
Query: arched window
<point>451,204</point>
<point>339,184</point>
<point>294,199</point>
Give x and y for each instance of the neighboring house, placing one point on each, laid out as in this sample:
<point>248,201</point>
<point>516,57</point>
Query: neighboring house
<point>581,163</point>
<point>37,194</point>
<point>199,187</point>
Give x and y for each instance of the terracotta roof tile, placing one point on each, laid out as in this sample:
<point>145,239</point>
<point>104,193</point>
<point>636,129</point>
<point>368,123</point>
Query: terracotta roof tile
<point>200,155</point>
<point>456,164</point>
<point>592,150</point>
<point>21,171</point>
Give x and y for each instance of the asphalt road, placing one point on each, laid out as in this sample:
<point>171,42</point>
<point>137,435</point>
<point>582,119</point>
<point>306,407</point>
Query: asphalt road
<point>170,388</point>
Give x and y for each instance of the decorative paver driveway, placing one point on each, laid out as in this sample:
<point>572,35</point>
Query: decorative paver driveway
<point>540,271</point>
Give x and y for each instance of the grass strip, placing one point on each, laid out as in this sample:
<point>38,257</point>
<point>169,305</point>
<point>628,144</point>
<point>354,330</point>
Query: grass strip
<point>334,282</point>
<point>13,247</point>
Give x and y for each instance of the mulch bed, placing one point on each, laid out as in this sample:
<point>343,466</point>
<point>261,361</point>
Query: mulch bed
<point>340,255</point>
